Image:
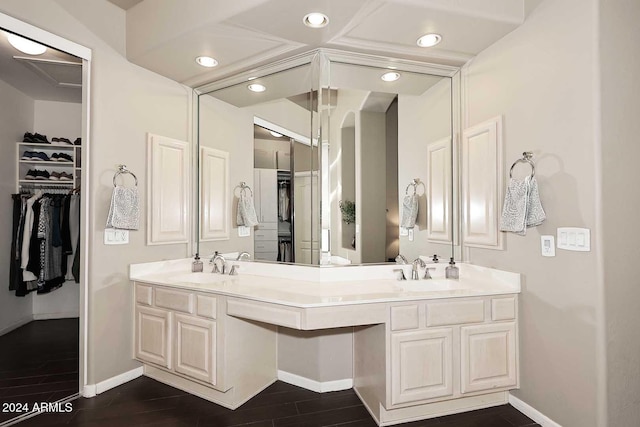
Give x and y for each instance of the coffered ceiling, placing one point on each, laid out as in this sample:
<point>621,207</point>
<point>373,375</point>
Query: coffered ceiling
<point>166,36</point>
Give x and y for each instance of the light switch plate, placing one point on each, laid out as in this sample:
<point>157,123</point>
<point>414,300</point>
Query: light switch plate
<point>404,231</point>
<point>244,231</point>
<point>113,236</point>
<point>548,245</point>
<point>411,234</point>
<point>574,239</point>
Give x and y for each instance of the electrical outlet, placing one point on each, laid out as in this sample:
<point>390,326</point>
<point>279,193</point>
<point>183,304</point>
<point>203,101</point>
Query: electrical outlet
<point>404,231</point>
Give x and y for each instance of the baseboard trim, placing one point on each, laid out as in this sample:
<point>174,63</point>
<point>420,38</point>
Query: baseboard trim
<point>53,316</point>
<point>532,412</point>
<point>16,325</point>
<point>317,386</point>
<point>91,390</point>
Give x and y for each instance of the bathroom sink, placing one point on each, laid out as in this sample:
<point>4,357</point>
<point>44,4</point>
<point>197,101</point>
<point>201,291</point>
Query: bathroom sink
<point>431,285</point>
<point>200,278</point>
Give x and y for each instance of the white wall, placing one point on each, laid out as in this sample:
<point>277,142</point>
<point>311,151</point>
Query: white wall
<point>541,79</point>
<point>126,103</point>
<point>620,87</point>
<point>58,119</point>
<point>16,118</point>
<point>422,120</point>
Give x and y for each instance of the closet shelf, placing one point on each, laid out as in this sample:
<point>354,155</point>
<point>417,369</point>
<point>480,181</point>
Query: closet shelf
<point>42,162</point>
<point>44,182</point>
<point>51,146</point>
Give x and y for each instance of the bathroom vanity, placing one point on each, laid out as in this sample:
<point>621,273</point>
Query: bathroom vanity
<point>422,348</point>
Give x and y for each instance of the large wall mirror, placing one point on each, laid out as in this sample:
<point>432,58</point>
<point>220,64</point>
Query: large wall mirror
<point>335,149</point>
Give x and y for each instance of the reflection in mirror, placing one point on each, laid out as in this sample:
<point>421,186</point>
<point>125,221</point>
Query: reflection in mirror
<point>383,134</point>
<point>267,136</point>
<point>330,169</point>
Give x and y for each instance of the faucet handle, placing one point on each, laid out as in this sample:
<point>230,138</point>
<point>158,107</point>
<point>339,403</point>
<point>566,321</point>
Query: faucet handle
<point>401,271</point>
<point>234,270</point>
<point>426,273</point>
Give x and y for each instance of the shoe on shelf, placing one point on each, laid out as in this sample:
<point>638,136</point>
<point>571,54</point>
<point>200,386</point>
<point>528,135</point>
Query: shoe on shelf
<point>61,141</point>
<point>42,175</point>
<point>78,141</point>
<point>41,139</point>
<point>63,157</point>
<point>27,155</point>
<point>28,137</point>
<point>39,156</point>
<point>31,175</point>
<point>64,176</point>
<point>54,176</point>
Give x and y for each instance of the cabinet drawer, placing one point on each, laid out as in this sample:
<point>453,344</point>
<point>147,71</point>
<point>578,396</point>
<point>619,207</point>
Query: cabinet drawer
<point>503,308</point>
<point>144,294</point>
<point>266,234</point>
<point>404,317</point>
<point>266,246</point>
<point>267,226</point>
<point>266,256</point>
<point>455,313</point>
<point>174,300</point>
<point>206,306</point>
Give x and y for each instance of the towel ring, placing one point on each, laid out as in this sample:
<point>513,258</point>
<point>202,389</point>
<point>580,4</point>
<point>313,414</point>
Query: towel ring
<point>122,169</point>
<point>414,182</point>
<point>526,158</point>
<point>243,186</point>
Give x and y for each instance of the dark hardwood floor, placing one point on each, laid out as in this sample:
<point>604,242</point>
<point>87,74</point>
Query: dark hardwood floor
<point>38,363</point>
<point>145,402</point>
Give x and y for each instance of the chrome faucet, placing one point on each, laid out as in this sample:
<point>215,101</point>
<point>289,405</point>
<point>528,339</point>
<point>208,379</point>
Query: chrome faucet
<point>414,268</point>
<point>243,254</point>
<point>217,257</point>
<point>401,259</point>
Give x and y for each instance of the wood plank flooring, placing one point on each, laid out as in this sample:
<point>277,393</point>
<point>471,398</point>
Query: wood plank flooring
<point>39,363</point>
<point>146,402</point>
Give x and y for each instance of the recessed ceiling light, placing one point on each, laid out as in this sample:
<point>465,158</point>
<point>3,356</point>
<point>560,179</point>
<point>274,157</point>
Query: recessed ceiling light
<point>276,134</point>
<point>316,20</point>
<point>26,46</point>
<point>206,61</point>
<point>429,40</point>
<point>256,87</point>
<point>391,76</point>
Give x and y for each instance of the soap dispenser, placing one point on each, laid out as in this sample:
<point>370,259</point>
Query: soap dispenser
<point>452,272</point>
<point>197,266</point>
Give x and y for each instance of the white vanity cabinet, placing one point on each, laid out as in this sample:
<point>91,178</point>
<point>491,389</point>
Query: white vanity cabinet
<point>442,355</point>
<point>185,339</point>
<point>179,333</point>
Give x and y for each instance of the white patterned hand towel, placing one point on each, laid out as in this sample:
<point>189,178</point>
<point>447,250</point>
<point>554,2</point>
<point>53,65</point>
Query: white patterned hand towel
<point>246,215</point>
<point>514,209</point>
<point>522,207</point>
<point>409,211</point>
<point>124,212</point>
<point>535,213</point>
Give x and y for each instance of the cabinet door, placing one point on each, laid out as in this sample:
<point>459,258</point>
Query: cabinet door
<point>421,365</point>
<point>488,357</point>
<point>269,195</point>
<point>195,348</point>
<point>153,335</point>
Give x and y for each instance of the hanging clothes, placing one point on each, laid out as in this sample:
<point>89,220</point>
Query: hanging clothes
<point>42,241</point>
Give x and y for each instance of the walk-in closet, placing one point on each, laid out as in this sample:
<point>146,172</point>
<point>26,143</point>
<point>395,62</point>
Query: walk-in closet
<point>40,191</point>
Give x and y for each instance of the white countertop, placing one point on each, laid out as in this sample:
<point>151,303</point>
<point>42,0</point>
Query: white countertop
<point>310,286</point>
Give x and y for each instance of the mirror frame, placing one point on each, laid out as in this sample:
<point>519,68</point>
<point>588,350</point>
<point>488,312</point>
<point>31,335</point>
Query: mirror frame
<point>320,61</point>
